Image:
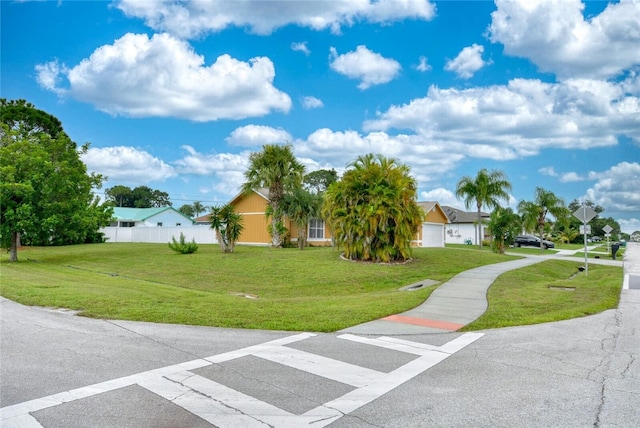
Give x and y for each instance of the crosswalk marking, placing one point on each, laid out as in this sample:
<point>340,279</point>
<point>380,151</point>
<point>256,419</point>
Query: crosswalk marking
<point>322,366</point>
<point>225,407</point>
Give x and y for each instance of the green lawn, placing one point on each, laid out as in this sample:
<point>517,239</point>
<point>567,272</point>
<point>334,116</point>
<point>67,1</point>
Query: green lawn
<point>255,287</point>
<point>549,291</point>
<point>287,289</point>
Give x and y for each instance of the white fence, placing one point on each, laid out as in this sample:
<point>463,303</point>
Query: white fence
<point>159,235</point>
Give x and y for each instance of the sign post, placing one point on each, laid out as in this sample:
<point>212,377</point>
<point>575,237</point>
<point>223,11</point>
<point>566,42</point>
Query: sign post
<point>585,214</point>
<point>607,232</point>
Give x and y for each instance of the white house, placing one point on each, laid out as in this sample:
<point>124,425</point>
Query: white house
<point>156,225</point>
<point>462,226</point>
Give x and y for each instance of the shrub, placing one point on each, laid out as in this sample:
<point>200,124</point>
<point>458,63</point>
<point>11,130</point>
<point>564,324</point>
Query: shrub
<point>183,247</point>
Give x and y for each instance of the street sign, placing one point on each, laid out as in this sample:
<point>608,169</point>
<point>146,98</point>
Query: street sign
<point>587,227</point>
<point>607,229</point>
<point>607,235</point>
<point>585,214</point>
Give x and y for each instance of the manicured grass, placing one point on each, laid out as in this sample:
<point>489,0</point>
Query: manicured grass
<point>546,292</point>
<point>286,289</point>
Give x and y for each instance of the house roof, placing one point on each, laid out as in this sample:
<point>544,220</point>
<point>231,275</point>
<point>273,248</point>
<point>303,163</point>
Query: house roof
<point>141,214</point>
<point>428,206</point>
<point>458,216</point>
<point>264,192</point>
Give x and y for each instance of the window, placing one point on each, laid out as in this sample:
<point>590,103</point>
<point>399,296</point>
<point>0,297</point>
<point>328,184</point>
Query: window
<point>316,229</point>
<point>159,224</point>
<point>178,224</point>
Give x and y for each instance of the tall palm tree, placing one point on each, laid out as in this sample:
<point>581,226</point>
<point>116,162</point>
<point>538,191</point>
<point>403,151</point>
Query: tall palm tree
<point>276,168</point>
<point>534,213</point>
<point>301,206</point>
<point>486,189</point>
<point>228,226</point>
<point>373,210</point>
<point>198,208</point>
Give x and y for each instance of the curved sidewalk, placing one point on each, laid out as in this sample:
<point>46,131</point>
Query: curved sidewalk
<point>454,304</point>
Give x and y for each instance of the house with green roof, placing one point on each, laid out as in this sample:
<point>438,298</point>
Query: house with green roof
<point>154,225</point>
<point>149,217</point>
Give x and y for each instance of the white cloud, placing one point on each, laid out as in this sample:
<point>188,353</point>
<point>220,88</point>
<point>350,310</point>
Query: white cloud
<point>443,197</point>
<point>49,75</point>
<point>164,77</point>
<point>519,119</point>
<point>369,67</point>
<point>300,47</point>
<point>191,19</point>
<point>468,61</point>
<point>338,148</point>
<point>557,38</point>
<point>423,65</point>
<point>629,225</point>
<point>123,164</point>
<point>226,169</point>
<point>309,103</point>
<point>548,170</point>
<point>571,177</point>
<point>257,136</point>
<point>617,188</point>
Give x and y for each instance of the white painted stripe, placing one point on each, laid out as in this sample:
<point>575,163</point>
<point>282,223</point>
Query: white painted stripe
<point>625,282</point>
<point>211,410</point>
<point>250,350</point>
<point>391,343</point>
<point>322,366</point>
<point>91,390</point>
<point>460,342</point>
<point>22,421</point>
<point>230,397</point>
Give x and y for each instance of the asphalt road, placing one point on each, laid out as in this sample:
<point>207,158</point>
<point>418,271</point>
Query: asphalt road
<point>61,370</point>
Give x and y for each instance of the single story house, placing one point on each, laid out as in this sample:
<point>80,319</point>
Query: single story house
<point>253,206</point>
<point>432,232</point>
<point>149,217</point>
<point>155,225</point>
<point>462,227</point>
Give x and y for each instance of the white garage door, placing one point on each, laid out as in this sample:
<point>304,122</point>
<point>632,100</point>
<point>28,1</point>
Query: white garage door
<point>432,235</point>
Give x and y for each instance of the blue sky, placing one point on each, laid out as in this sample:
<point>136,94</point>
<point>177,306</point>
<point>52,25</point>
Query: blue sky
<point>176,95</point>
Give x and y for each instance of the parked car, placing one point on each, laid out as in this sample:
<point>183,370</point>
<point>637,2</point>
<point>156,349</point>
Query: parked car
<point>532,241</point>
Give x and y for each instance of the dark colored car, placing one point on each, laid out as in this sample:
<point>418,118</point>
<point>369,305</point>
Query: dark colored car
<point>532,241</point>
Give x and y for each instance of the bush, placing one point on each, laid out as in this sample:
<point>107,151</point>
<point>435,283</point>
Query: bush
<point>183,247</point>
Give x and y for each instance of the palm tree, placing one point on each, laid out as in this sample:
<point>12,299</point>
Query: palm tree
<point>504,226</point>
<point>534,214</point>
<point>187,210</point>
<point>373,210</point>
<point>228,226</point>
<point>276,168</point>
<point>301,206</point>
<point>486,189</point>
<point>198,208</point>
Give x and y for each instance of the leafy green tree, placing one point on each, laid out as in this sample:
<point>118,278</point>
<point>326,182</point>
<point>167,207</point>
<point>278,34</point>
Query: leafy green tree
<point>187,210</point>
<point>486,189</point>
<point>182,246</point>
<point>228,226</point>
<point>140,197</point>
<point>373,211</point>
<point>320,180</point>
<point>198,208</point>
<point>46,194</point>
<point>301,206</point>
<point>277,169</point>
<point>504,226</point>
<point>120,196</point>
<point>534,213</point>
